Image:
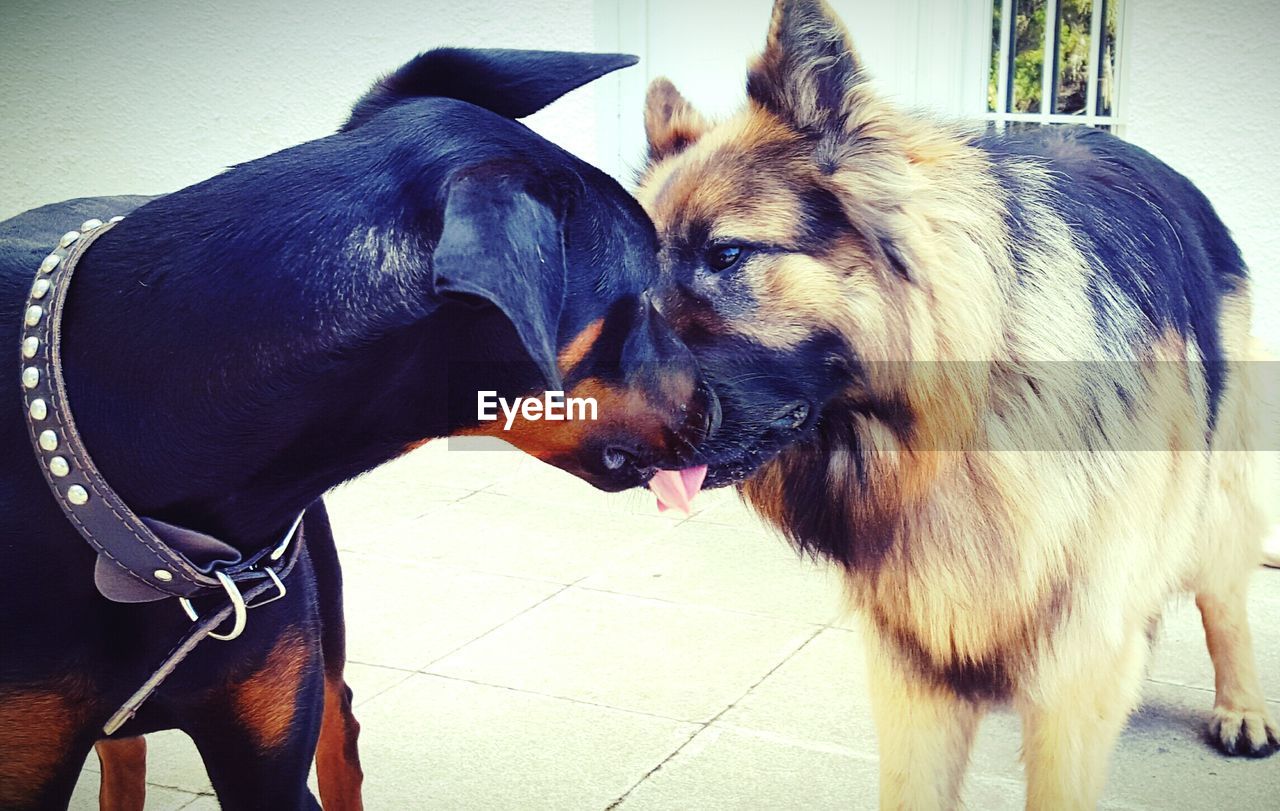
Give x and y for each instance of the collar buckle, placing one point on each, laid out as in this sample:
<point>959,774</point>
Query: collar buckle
<point>239,606</point>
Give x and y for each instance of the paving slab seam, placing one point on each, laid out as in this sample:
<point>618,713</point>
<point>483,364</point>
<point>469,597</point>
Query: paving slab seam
<point>623,797</point>
<point>195,794</point>
<point>758,525</point>
<point>554,696</point>
<point>817,747</point>
<point>376,557</point>
<point>429,513</point>
<point>703,727</point>
<point>406,670</point>
<point>1199,689</point>
<point>702,606</point>
<point>613,502</point>
<point>520,613</point>
<point>183,789</point>
<point>1196,687</point>
<point>360,701</point>
<point>447,568</point>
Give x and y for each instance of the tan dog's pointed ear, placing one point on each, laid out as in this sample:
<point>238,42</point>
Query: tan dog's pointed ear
<point>670,121</point>
<point>807,69</point>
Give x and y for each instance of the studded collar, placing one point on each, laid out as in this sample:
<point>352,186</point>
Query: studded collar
<point>139,559</point>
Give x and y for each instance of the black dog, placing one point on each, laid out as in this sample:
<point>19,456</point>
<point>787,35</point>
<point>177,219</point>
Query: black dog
<point>233,350</point>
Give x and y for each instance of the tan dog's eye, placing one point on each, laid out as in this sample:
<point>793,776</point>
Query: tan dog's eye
<point>723,257</point>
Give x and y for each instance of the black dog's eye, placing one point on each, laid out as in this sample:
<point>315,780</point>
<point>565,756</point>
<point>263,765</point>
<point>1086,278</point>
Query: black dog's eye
<point>723,257</point>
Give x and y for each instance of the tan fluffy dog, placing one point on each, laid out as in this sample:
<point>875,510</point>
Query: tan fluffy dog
<point>1043,420</point>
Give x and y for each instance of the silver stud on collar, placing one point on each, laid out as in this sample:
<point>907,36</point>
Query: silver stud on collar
<point>77,495</point>
<point>38,410</point>
<point>163,575</point>
<point>59,466</point>
<point>31,377</point>
<point>34,314</point>
<point>40,288</point>
<point>89,225</point>
<point>68,238</point>
<point>30,346</point>
<point>50,262</point>
<point>49,440</point>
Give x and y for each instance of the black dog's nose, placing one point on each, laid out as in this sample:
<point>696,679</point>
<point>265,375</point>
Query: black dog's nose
<point>714,413</point>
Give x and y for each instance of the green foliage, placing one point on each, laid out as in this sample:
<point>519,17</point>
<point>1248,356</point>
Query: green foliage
<point>1026,75</point>
<point>1073,55</point>
<point>1028,61</point>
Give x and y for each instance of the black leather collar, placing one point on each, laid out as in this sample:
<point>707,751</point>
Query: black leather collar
<point>139,559</point>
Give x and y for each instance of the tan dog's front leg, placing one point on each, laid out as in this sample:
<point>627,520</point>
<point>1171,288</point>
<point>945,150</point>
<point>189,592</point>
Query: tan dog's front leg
<point>925,733</point>
<point>1241,723</point>
<point>1068,736</point>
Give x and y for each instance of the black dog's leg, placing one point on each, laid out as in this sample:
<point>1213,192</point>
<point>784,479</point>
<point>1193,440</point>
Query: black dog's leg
<point>337,757</point>
<point>258,736</point>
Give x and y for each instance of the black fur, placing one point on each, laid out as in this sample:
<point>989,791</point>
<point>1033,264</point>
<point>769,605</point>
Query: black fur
<point>511,83</point>
<point>1148,232</point>
<point>758,388</point>
<point>236,348</point>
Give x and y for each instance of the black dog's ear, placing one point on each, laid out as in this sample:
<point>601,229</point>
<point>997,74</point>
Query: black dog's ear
<point>502,244</point>
<point>511,83</point>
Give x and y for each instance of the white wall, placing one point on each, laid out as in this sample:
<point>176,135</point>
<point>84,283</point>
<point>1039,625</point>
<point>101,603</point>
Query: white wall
<point>1200,87</point>
<point>1202,92</point>
<point>923,53</point>
<point>147,96</point>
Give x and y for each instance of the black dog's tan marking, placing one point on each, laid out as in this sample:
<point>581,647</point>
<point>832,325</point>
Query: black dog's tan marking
<point>1021,363</point>
<point>236,348</point>
<point>40,726</point>
<point>265,698</point>
<point>338,771</point>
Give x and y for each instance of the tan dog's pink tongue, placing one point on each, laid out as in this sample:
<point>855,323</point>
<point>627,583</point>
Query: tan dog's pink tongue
<point>675,489</point>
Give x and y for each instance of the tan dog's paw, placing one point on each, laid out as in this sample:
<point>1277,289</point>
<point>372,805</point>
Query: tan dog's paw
<point>1248,733</point>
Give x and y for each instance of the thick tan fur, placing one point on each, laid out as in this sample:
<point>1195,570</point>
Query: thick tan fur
<point>1032,544</point>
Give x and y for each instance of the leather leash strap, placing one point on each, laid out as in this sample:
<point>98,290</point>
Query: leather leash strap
<point>199,631</point>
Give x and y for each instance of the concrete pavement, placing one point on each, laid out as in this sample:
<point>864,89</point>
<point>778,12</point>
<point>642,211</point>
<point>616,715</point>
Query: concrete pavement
<point>519,640</point>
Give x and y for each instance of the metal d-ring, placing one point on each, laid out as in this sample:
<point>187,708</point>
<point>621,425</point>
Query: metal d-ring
<point>281,591</point>
<point>237,599</point>
<point>237,603</point>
